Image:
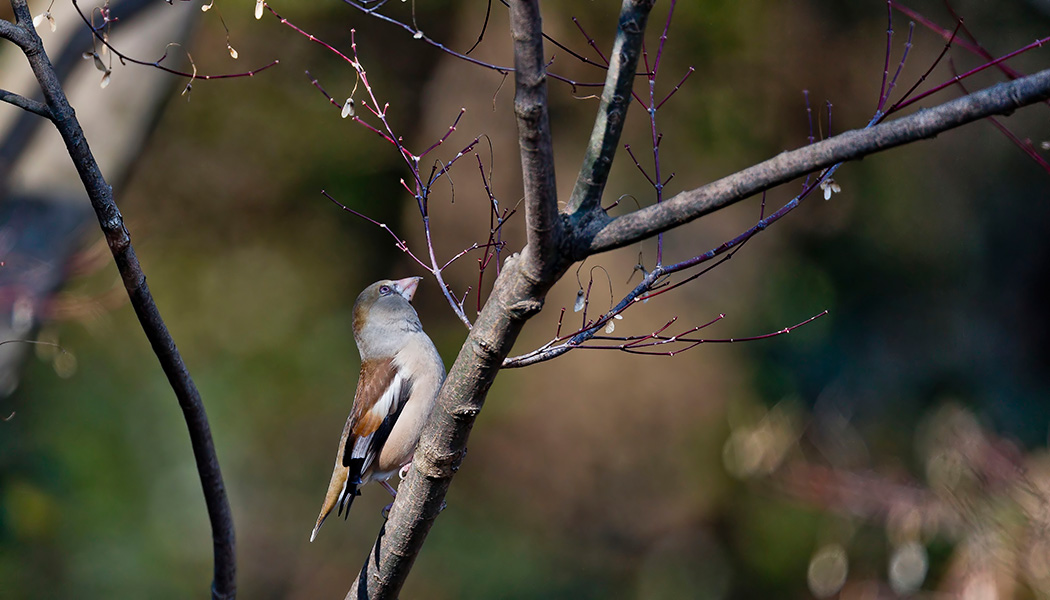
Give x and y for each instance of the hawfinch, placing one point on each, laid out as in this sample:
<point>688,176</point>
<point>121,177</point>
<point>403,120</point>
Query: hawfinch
<point>401,373</point>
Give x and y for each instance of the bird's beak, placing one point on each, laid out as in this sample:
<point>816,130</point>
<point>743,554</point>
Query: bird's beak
<point>407,286</point>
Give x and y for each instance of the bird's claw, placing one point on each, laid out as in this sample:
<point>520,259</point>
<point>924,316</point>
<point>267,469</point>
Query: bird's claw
<point>404,471</point>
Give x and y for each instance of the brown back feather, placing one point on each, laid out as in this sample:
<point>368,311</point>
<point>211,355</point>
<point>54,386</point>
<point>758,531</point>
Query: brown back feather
<point>375,378</point>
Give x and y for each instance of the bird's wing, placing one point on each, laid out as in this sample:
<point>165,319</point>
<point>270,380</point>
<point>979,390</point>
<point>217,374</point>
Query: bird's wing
<point>382,391</point>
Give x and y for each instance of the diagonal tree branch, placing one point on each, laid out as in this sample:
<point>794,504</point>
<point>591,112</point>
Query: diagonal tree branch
<point>616,98</point>
<point>24,103</point>
<point>1000,99</point>
<point>119,240</point>
<point>16,34</point>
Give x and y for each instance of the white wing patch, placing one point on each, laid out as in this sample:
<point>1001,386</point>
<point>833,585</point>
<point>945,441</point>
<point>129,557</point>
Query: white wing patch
<point>385,406</point>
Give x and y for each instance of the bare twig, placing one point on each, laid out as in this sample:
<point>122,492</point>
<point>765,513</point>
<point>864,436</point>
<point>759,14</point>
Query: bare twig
<point>1036,44</point>
<point>420,188</point>
<point>96,31</point>
<point>418,34</point>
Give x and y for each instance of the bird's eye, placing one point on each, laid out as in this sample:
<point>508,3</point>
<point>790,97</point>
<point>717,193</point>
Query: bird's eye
<point>385,290</point>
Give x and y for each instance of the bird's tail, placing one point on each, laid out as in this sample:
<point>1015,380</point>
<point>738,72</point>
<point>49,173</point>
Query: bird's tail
<point>341,494</point>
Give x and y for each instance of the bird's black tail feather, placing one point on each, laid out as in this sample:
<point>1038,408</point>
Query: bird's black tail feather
<point>346,499</point>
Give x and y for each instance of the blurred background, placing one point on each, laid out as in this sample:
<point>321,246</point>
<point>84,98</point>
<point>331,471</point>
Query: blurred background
<point>895,447</point>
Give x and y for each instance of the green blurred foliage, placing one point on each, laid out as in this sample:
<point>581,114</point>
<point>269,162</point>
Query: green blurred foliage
<point>601,475</point>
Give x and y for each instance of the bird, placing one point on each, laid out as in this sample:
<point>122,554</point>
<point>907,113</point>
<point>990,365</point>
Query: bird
<point>401,375</point>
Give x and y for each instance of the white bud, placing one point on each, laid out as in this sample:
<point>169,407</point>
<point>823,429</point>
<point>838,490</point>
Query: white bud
<point>830,187</point>
<point>46,15</point>
<point>578,305</point>
<point>258,9</point>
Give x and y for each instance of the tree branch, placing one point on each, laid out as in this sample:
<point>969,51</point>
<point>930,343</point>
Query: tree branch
<point>16,34</point>
<point>119,240</point>
<point>616,98</point>
<point>27,104</point>
<point>544,229</point>
<point>1001,99</point>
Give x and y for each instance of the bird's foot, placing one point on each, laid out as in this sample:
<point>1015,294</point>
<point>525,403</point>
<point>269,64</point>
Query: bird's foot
<point>404,470</point>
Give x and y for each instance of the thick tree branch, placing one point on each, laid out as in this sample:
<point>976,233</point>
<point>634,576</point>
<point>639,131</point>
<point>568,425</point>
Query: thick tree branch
<point>119,240</point>
<point>543,224</point>
<point>1001,99</point>
<point>616,98</point>
<point>16,34</point>
<point>24,103</point>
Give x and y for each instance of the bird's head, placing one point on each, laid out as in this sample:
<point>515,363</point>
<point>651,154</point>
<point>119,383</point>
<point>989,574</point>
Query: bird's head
<point>383,314</point>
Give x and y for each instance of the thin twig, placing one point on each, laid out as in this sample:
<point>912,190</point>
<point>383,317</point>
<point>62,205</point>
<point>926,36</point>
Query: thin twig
<point>156,64</point>
<point>419,35</point>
